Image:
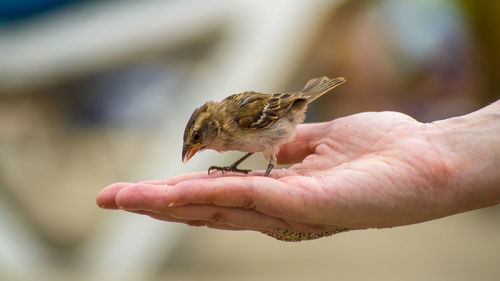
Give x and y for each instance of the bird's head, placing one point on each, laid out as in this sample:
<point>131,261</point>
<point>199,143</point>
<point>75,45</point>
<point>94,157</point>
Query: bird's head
<point>201,130</point>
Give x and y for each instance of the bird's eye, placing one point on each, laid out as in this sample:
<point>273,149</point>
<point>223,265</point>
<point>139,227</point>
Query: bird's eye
<point>196,136</point>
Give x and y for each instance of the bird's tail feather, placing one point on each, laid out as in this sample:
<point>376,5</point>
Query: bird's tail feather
<point>318,86</point>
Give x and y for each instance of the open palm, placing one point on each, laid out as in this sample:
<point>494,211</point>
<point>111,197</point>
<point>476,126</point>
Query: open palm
<point>361,171</point>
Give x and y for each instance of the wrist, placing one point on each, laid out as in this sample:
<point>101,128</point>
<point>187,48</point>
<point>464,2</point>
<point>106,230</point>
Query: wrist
<point>470,146</point>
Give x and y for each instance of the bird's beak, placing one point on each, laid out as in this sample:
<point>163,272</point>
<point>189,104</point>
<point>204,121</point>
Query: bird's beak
<point>189,151</point>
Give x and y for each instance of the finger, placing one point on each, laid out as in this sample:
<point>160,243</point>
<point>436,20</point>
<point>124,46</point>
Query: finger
<point>198,175</point>
<point>235,218</point>
<point>197,223</point>
<point>204,175</point>
<point>168,218</point>
<point>303,144</point>
<point>221,191</point>
<point>231,219</point>
<point>176,179</point>
<point>218,217</point>
<point>240,219</point>
<point>106,197</point>
<point>279,198</point>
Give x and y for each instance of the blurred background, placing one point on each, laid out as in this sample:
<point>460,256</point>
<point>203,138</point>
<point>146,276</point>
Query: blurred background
<point>93,92</point>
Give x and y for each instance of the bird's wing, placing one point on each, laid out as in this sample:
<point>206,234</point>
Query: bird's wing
<point>259,111</point>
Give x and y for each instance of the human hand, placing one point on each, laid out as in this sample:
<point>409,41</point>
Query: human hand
<point>369,170</point>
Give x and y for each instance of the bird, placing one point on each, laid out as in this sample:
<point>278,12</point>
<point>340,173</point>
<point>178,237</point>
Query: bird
<point>251,122</point>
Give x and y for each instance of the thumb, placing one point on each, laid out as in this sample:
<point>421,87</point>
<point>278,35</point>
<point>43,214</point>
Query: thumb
<point>304,142</point>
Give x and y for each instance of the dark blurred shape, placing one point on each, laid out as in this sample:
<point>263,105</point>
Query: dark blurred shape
<point>484,22</point>
<point>13,11</point>
<point>417,57</point>
<point>135,96</point>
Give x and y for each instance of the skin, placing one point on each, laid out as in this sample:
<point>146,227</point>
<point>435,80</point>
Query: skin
<point>368,170</point>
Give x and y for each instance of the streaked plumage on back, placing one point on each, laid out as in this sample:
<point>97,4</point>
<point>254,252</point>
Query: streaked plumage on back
<point>251,122</point>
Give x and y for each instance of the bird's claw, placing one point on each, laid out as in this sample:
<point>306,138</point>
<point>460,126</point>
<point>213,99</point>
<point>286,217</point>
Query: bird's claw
<point>228,169</point>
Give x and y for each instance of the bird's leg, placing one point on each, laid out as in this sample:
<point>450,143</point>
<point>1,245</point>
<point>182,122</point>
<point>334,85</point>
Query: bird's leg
<point>269,167</point>
<point>233,167</point>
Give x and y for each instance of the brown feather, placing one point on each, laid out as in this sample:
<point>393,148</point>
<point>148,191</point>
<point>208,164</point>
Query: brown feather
<point>259,111</point>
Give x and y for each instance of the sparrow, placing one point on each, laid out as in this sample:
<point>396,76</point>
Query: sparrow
<point>251,122</point>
